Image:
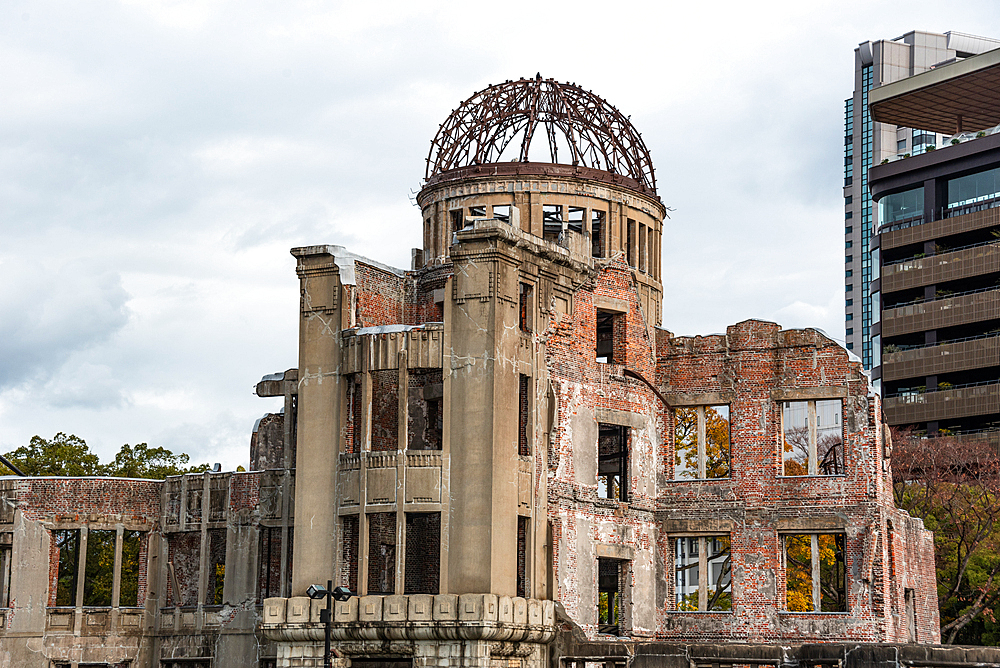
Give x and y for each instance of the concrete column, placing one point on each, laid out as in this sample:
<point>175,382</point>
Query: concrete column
<point>403,408</point>
<point>319,397</point>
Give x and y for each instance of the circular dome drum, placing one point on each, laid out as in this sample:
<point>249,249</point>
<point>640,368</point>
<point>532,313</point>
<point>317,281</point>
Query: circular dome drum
<point>501,123</point>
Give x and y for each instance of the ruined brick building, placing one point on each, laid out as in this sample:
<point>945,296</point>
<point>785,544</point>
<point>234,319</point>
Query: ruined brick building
<point>505,455</point>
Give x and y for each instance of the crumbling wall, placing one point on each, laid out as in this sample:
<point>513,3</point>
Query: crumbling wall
<point>587,393</point>
<point>184,565</point>
<point>378,297</point>
<point>267,444</point>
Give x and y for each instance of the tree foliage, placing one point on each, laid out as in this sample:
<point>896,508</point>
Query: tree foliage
<point>70,456</point>
<point>954,486</point>
<point>686,443</point>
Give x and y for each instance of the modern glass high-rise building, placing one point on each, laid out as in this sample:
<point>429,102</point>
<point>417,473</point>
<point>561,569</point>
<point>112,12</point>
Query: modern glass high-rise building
<point>868,143</point>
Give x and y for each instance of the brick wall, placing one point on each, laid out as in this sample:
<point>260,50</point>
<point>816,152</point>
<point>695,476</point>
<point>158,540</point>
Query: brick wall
<point>423,553</point>
<point>381,553</point>
<point>385,410</point>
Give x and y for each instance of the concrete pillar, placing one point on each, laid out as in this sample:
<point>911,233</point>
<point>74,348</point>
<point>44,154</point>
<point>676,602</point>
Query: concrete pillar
<point>319,399</point>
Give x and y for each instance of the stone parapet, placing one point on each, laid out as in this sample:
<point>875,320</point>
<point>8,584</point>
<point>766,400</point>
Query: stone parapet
<point>486,617</point>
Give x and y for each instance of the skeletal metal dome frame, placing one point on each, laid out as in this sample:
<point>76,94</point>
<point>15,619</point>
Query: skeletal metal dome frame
<point>488,123</point>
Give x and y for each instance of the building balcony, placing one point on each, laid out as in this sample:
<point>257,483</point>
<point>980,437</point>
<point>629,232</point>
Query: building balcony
<point>939,229</point>
<point>934,359</point>
<point>949,266</point>
<point>975,306</point>
<point>958,402</point>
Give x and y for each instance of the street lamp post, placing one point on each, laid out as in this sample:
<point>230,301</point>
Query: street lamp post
<point>328,592</point>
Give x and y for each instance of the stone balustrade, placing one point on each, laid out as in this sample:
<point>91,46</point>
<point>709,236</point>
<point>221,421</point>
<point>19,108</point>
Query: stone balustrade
<point>414,617</point>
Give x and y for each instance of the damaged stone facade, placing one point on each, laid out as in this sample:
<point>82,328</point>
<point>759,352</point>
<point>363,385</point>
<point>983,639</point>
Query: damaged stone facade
<point>146,573</point>
<point>511,463</point>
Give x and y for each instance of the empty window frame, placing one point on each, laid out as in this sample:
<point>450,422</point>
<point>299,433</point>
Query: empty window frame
<point>815,572</point>
<point>216,567</point>
<point>812,438</point>
<point>642,247</point>
<point>381,553</point>
<point>612,462</point>
<point>522,557</point>
<point>477,211</point>
<point>5,557</point>
<point>701,442</point>
<point>128,593</point>
<point>502,212</point>
<point>608,337</point>
<point>523,413</point>
<point>703,574</point>
<point>552,222</point>
<point>630,242</point>
<point>457,217</point>
<point>67,543</point>
<point>596,233</point>
<point>609,597</point>
<point>525,307</point>
<point>423,553</point>
<point>100,568</point>
<point>575,218</point>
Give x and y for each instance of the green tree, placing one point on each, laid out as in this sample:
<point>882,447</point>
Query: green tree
<point>142,461</point>
<point>954,486</point>
<point>70,456</point>
<point>62,456</point>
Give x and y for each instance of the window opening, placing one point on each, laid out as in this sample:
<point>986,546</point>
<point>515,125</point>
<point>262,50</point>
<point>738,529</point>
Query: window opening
<point>642,247</point>
<point>630,242</point>
<point>596,233</point>
<point>523,408</point>
<point>609,596</point>
<point>423,553</point>
<point>522,557</point>
<point>815,573</point>
<point>477,211</point>
<point>812,438</point>
<point>525,306</point>
<point>269,563</point>
<point>128,592</point>
<point>502,213</point>
<point>701,442</point>
<point>216,566</point>
<point>612,462</point>
<point>457,220</point>
<point>424,421</point>
<point>703,573</point>
<point>574,219</point>
<point>68,544</point>
<point>381,553</point>
<point>552,222</point>
<point>606,321</point>
<point>5,557</point>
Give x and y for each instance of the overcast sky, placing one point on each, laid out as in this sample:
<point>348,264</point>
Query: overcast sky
<point>158,160</point>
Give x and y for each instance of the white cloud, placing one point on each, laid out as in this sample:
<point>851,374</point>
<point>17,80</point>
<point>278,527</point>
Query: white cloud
<point>159,158</point>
